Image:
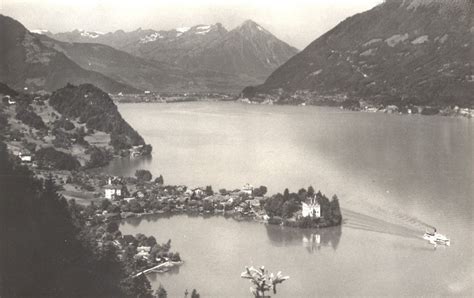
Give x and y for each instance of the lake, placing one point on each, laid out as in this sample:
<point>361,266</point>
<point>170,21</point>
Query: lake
<point>395,176</point>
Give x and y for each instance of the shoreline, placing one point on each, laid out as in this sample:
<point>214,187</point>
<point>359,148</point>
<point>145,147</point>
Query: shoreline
<point>468,114</point>
<point>231,214</point>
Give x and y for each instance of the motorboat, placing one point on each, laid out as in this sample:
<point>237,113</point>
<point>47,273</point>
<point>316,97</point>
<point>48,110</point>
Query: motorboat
<point>436,238</point>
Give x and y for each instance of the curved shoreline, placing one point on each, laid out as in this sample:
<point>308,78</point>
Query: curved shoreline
<point>231,214</point>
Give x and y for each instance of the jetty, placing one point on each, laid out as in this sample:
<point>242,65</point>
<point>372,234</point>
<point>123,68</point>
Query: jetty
<point>160,268</point>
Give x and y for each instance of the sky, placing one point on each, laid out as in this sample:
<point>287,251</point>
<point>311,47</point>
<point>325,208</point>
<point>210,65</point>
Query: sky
<point>298,22</point>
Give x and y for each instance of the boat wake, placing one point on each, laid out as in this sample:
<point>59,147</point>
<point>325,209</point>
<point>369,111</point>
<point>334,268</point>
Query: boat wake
<point>402,226</point>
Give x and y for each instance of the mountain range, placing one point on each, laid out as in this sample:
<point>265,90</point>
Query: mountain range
<point>401,51</point>
<point>202,57</point>
<point>28,64</point>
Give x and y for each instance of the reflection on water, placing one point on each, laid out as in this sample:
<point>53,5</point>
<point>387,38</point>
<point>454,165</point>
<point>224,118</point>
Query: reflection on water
<point>135,221</point>
<point>152,218</point>
<point>125,166</point>
<point>312,239</point>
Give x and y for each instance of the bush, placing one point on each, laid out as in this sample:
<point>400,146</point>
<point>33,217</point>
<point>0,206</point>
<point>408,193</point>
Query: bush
<point>143,175</point>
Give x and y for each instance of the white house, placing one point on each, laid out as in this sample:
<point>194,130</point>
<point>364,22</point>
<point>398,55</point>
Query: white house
<point>25,157</point>
<point>247,188</point>
<point>311,208</point>
<point>112,191</point>
<point>144,248</point>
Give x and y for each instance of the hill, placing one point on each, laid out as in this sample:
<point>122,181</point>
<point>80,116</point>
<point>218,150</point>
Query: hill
<point>74,127</point>
<point>144,74</point>
<point>92,106</point>
<point>27,64</point>
<point>400,52</point>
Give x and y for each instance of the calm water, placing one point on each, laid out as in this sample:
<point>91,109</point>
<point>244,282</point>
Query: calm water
<point>394,175</point>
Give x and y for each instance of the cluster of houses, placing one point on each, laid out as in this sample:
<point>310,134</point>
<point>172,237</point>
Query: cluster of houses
<point>185,199</point>
<point>199,200</point>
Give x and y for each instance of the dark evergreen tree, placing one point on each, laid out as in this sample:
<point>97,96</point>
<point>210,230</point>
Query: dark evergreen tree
<point>195,294</point>
<point>310,191</point>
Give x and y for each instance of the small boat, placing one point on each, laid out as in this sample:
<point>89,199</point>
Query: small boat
<point>436,238</point>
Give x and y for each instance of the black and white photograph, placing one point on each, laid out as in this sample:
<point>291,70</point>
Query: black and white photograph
<point>211,148</point>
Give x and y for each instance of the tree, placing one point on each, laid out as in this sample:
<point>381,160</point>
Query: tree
<point>137,287</point>
<point>112,227</point>
<point>209,190</point>
<point>262,281</point>
<point>310,191</point>
<point>195,294</point>
<point>135,206</point>
<point>150,241</point>
<point>289,208</point>
<point>143,175</point>
<point>286,194</point>
<point>260,192</point>
<point>105,204</point>
<point>160,180</point>
<point>98,157</point>
<point>161,292</point>
<point>273,206</point>
<point>335,208</point>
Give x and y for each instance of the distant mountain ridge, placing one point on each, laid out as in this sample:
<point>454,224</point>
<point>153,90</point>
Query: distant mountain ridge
<point>27,64</point>
<point>144,74</point>
<point>248,53</point>
<point>408,51</point>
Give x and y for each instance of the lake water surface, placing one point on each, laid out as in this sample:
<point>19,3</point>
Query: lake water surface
<point>394,175</point>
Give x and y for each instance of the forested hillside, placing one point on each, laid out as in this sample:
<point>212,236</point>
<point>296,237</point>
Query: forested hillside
<point>46,251</point>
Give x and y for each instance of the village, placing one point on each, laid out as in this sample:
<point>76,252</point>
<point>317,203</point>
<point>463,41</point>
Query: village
<point>116,198</point>
<point>169,97</point>
<point>342,101</point>
<point>101,201</point>
<point>71,154</point>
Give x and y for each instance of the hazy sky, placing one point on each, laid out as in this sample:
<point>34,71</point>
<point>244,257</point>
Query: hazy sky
<point>297,22</point>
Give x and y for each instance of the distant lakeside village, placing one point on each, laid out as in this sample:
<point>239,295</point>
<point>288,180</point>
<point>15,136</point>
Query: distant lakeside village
<point>301,98</point>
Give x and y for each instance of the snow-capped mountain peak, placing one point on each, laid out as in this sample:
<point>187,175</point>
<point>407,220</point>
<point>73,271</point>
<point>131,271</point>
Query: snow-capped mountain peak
<point>40,31</point>
<point>203,29</point>
<point>151,37</point>
<point>90,34</point>
<point>181,30</point>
